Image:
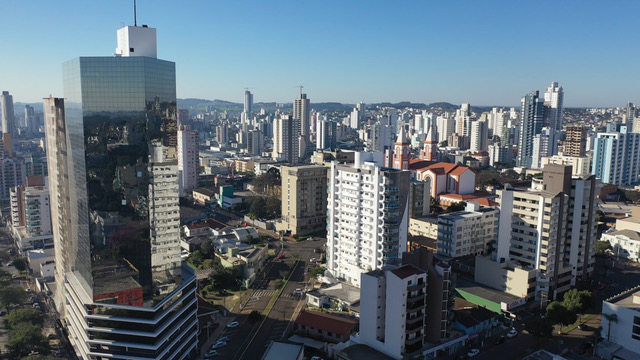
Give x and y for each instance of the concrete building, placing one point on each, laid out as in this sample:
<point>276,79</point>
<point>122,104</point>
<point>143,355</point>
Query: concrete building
<point>616,157</point>
<point>553,99</point>
<point>580,166</point>
<point>368,216</point>
<point>188,158</point>
<point>445,126</point>
<point>479,136</point>
<point>302,113</point>
<point>625,243</point>
<point>469,232</point>
<point>620,319</point>
<point>420,198</point>
<point>8,121</point>
<point>575,141</point>
<point>500,154</point>
<point>545,144</point>
<point>255,142</point>
<point>304,199</point>
<point>509,277</point>
<point>99,271</point>
<point>326,135</point>
<point>31,215</point>
<point>13,173</point>
<point>393,310</point>
<point>286,140</point>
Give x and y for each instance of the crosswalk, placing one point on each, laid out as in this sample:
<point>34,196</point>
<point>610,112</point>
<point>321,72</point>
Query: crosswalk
<point>270,293</point>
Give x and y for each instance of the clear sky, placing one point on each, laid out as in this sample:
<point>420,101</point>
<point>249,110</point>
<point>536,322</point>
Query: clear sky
<point>482,52</point>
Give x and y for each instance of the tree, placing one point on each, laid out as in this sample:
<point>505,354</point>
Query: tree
<point>258,208</point>
<point>20,264</point>
<point>602,247</point>
<point>12,295</point>
<point>316,271</point>
<point>254,316</point>
<point>223,278</point>
<point>30,316</point>
<point>610,318</point>
<point>540,327</point>
<point>5,278</point>
<point>510,174</point>
<point>577,301</point>
<point>25,338</point>
<point>559,314</point>
<point>459,206</point>
<point>273,207</point>
<point>208,248</point>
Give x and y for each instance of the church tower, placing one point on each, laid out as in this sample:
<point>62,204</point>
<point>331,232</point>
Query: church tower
<point>430,150</point>
<point>401,151</point>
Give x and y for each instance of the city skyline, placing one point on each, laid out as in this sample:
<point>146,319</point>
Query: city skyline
<point>484,54</point>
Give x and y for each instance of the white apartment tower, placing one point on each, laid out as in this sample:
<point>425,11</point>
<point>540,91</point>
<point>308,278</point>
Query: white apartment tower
<point>188,158</point>
<point>30,207</point>
<point>367,216</point>
<point>302,113</point>
<point>479,136</point>
<point>468,232</point>
<point>553,102</point>
<point>393,310</point>
<point>286,138</point>
<point>8,121</point>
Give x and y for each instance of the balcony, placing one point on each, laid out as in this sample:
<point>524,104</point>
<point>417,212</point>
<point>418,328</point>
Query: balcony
<point>413,305</point>
<point>415,320</point>
<point>409,342</point>
<point>414,287</point>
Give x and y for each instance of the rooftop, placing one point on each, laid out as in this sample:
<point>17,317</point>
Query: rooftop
<point>633,235</point>
<point>484,292</point>
<point>363,352</point>
<point>328,322</point>
<point>629,299</point>
<point>405,271</point>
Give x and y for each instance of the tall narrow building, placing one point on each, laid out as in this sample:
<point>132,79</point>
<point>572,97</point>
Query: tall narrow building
<point>302,113</point>
<point>8,121</point>
<point>112,148</point>
<point>188,158</point>
<point>247,112</point>
<point>616,157</point>
<point>367,216</point>
<point>304,199</point>
<point>531,123</point>
<point>553,106</point>
<point>286,139</point>
<point>575,140</point>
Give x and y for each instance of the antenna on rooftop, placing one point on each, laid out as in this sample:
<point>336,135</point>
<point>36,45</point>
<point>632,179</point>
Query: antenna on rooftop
<point>301,87</point>
<point>135,14</point>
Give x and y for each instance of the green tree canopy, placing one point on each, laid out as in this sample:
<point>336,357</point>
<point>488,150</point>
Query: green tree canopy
<point>254,316</point>
<point>223,278</point>
<point>317,271</point>
<point>273,207</point>
<point>577,301</point>
<point>259,208</point>
<point>208,249</point>
<point>21,264</point>
<point>602,247</point>
<point>12,295</point>
<point>559,314</point>
<point>25,338</point>
<point>30,316</point>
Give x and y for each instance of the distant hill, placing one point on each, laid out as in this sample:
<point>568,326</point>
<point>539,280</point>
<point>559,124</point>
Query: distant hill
<point>19,107</point>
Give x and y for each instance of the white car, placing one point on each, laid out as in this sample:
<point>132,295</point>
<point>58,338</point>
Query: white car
<point>233,324</point>
<point>313,260</point>
<point>512,333</point>
<point>297,292</point>
<point>473,352</point>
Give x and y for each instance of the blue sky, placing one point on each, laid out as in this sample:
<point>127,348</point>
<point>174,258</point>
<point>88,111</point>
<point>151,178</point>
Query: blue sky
<point>482,52</point>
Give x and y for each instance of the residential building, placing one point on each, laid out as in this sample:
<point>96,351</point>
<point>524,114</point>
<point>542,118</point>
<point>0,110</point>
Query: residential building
<point>426,226</point>
<point>500,154</point>
<point>620,319</point>
<point>531,123</point>
<point>31,215</point>
<point>580,165</point>
<point>468,232</point>
<point>625,243</point>
<point>440,293</point>
<point>575,141</point>
<point>616,157</point>
<point>326,136</point>
<point>255,142</point>
<point>325,327</point>
<point>510,277</point>
<point>367,216</point>
<point>222,133</point>
<point>8,121</point>
<point>479,136</point>
<point>419,198</point>
<point>545,144</point>
<point>446,126</point>
<point>553,98</point>
<point>393,310</point>
<point>188,158</point>
<point>30,120</point>
<point>304,199</point>
<point>12,173</point>
<point>129,108</point>
<point>286,139</point>
<point>302,113</point>
<point>247,112</point>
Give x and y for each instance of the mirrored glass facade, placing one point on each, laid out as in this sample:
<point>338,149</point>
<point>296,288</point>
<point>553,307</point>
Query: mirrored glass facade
<point>121,125</point>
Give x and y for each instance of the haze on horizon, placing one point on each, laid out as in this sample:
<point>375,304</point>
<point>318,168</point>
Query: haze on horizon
<point>483,53</point>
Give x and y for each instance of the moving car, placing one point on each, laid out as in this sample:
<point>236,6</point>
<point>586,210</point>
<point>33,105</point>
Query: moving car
<point>219,345</point>
<point>473,352</point>
<point>512,333</point>
<point>233,324</point>
<point>224,338</point>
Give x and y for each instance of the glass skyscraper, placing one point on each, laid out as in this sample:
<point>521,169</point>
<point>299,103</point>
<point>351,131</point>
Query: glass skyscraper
<point>113,164</point>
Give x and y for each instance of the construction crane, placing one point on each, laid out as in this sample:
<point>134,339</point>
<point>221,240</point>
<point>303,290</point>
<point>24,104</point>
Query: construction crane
<point>301,87</point>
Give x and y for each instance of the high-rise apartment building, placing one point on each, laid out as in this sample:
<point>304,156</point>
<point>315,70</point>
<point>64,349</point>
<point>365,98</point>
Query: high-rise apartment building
<point>247,112</point>
<point>393,310</point>
<point>479,136</point>
<point>581,165</point>
<point>616,157</point>
<point>302,113</point>
<point>222,133</point>
<point>446,126</point>
<point>304,199</point>
<point>8,121</point>
<point>367,216</point>
<point>544,144</point>
<point>286,139</point>
<point>30,207</point>
<point>188,158</point>
<point>575,140</point>
<point>553,106</point>
<point>112,148</point>
<point>531,122</point>
<point>12,173</point>
<point>255,142</point>
<point>630,114</point>
<point>30,119</point>
<point>326,135</point>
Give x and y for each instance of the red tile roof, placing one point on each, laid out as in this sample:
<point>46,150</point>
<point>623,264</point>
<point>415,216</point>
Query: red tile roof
<point>406,271</point>
<point>327,322</point>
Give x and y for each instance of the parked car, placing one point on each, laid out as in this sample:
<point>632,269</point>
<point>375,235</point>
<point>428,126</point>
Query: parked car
<point>512,333</point>
<point>281,256</point>
<point>224,338</point>
<point>473,352</point>
<point>218,345</point>
<point>233,324</point>
<point>500,340</point>
<point>298,292</point>
<point>313,260</point>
